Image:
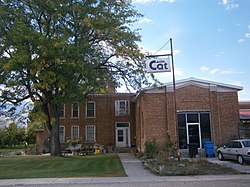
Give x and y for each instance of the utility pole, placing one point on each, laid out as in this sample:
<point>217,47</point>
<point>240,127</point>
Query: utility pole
<point>174,94</point>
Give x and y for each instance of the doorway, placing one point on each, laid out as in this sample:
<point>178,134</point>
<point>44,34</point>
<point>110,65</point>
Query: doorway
<point>194,134</point>
<point>122,135</point>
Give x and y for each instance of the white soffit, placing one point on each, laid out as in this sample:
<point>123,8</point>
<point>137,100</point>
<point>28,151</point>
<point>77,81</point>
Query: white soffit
<point>213,86</point>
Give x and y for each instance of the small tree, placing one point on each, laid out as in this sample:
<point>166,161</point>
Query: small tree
<point>151,149</point>
<point>170,148</point>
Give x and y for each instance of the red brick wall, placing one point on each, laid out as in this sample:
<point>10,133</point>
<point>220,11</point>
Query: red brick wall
<point>229,116</point>
<point>104,120</point>
<point>157,116</point>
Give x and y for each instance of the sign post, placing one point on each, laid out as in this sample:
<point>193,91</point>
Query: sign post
<point>154,65</point>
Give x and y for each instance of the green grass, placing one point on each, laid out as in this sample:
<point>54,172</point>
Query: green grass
<point>15,167</point>
<point>6,150</point>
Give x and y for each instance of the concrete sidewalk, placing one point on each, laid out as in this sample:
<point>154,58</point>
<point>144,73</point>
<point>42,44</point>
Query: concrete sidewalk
<point>133,166</point>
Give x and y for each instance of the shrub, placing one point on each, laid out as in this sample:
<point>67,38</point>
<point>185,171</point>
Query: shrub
<point>151,149</point>
<point>170,148</point>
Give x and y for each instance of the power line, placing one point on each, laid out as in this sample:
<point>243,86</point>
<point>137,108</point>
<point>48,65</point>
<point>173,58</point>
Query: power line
<point>161,47</point>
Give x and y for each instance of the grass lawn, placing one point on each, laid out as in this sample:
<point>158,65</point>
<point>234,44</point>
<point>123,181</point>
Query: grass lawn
<point>69,166</point>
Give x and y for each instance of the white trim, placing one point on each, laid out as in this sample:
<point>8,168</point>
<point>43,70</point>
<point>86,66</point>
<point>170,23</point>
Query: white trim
<point>73,126</point>
<point>117,108</point>
<point>126,135</point>
<point>86,133</point>
<point>63,117</point>
<point>78,110</point>
<point>63,139</point>
<point>86,111</point>
<point>212,85</point>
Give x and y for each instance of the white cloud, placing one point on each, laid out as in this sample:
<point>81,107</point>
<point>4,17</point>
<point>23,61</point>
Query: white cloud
<point>249,27</point>
<point>152,1</point>
<point>146,20</point>
<point>161,52</point>
<point>219,53</point>
<point>241,40</point>
<point>216,70</point>
<point>204,69</point>
<point>213,71</point>
<point>170,1</point>
<point>230,71</point>
<point>229,4</point>
<point>247,35</point>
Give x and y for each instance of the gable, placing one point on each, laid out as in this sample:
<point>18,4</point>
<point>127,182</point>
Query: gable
<point>205,84</point>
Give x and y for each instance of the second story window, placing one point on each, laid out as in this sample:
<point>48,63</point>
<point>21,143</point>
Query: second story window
<point>75,110</point>
<point>122,108</point>
<point>62,111</point>
<point>90,109</point>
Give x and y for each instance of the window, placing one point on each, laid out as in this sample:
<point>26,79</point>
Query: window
<point>182,131</point>
<point>75,110</point>
<point>75,132</point>
<point>90,109</point>
<point>194,127</point>
<point>62,111</point>
<point>62,134</point>
<point>122,108</point>
<point>90,133</point>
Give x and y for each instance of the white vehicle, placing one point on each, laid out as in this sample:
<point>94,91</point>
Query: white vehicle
<point>235,150</point>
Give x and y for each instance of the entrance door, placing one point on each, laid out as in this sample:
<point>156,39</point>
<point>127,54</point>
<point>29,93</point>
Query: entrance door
<point>122,135</point>
<point>194,134</point>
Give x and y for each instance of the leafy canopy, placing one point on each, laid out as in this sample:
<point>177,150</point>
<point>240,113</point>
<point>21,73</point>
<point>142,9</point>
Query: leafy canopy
<point>52,51</point>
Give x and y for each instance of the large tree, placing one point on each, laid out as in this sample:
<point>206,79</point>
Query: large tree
<point>53,51</point>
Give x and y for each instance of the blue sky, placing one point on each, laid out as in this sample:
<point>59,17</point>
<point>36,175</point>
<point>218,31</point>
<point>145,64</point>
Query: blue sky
<point>211,38</point>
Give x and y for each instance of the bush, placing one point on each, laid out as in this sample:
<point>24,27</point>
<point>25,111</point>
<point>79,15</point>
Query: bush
<point>170,148</point>
<point>151,149</point>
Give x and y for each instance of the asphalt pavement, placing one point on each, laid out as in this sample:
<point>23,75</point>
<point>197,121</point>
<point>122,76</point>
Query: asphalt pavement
<point>138,176</point>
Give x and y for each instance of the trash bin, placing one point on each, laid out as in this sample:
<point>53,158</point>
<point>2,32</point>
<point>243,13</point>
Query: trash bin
<point>193,149</point>
<point>209,149</point>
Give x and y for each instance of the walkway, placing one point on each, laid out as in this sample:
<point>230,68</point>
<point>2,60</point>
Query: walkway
<point>133,166</point>
<point>231,164</point>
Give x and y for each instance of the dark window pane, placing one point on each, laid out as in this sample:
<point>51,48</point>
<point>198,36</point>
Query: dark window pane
<point>181,120</point>
<point>205,128</point>
<point>182,131</point>
<point>192,118</point>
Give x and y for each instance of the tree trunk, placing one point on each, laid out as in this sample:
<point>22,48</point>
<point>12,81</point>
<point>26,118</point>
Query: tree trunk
<point>55,143</point>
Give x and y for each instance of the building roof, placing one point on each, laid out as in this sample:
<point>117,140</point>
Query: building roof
<point>244,114</point>
<point>213,86</point>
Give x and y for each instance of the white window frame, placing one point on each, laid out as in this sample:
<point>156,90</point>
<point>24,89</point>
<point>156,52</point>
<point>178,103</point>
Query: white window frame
<point>62,117</point>
<point>122,112</point>
<point>63,137</point>
<point>72,110</point>
<point>86,133</point>
<point>87,109</point>
<point>72,132</point>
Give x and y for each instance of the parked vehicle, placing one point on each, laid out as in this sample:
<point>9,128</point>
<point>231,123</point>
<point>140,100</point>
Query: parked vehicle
<point>238,150</point>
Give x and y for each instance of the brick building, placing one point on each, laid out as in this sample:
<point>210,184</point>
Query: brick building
<point>244,126</point>
<point>206,110</point>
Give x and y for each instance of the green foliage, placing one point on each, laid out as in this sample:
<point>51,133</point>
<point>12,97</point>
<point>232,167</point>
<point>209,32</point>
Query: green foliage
<point>13,136</point>
<point>170,148</point>
<point>54,52</point>
<point>151,149</point>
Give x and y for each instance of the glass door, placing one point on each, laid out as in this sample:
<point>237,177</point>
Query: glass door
<point>194,134</point>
